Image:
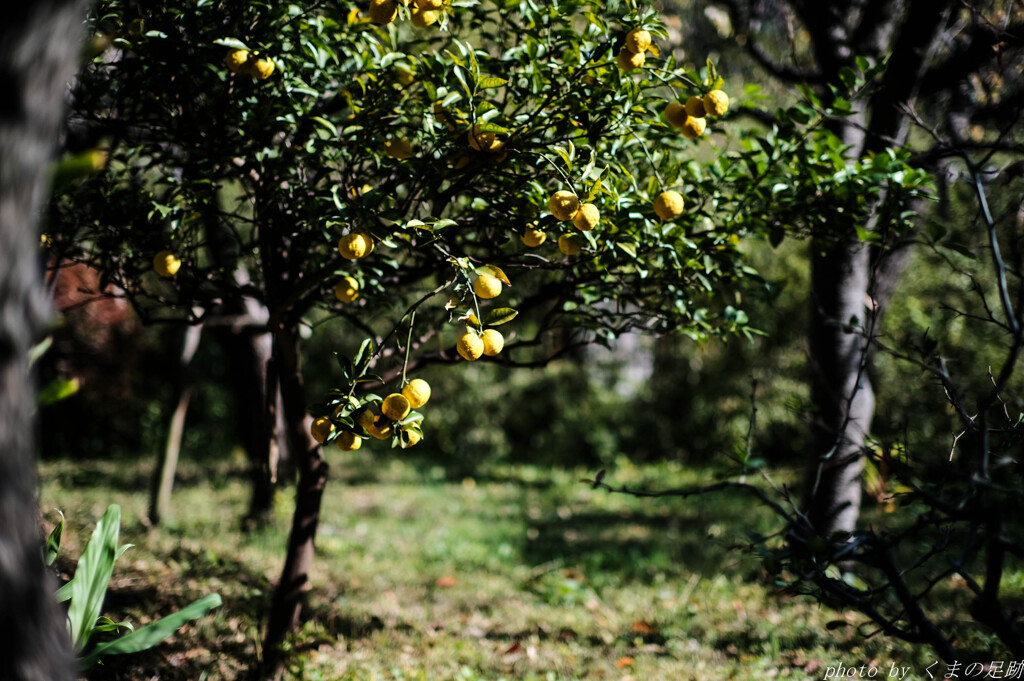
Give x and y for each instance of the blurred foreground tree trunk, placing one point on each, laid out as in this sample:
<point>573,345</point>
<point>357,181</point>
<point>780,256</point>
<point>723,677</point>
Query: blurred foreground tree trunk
<point>39,50</point>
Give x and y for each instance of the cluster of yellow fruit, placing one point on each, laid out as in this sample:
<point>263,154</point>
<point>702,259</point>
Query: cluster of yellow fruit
<point>352,246</point>
<point>634,50</point>
<point>491,148</point>
<point>166,263</point>
<point>565,206</point>
<point>474,344</point>
<point>381,422</point>
<point>423,13</point>
<point>690,117</point>
<point>241,61</point>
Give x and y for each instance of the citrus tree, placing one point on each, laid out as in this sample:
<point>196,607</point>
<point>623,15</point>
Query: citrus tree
<point>456,181</point>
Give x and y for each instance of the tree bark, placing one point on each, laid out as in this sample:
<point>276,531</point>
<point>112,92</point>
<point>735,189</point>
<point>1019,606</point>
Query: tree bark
<point>39,44</point>
<point>844,308</point>
<point>163,474</point>
<point>289,596</point>
<point>840,388</point>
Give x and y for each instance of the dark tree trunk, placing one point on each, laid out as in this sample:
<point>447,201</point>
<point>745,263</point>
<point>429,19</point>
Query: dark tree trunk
<point>39,43</point>
<point>258,413</point>
<point>289,596</point>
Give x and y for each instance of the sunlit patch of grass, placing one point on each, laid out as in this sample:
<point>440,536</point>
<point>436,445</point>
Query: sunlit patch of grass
<point>517,573</point>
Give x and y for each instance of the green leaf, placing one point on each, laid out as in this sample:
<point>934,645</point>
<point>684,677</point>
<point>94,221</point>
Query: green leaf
<point>565,157</point>
<point>491,82</point>
<point>323,122</point>
<point>53,542</point>
<point>499,316</point>
<point>107,624</point>
<point>627,248</point>
<point>494,271</point>
<point>231,42</point>
<point>153,633</point>
<point>847,75</point>
<point>56,390</point>
<point>89,585</point>
<point>363,355</point>
<point>959,248</point>
<point>712,74</point>
<point>487,126</point>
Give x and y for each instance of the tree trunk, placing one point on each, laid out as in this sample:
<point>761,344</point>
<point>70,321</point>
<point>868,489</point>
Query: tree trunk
<point>840,388</point>
<point>258,413</point>
<point>163,475</point>
<point>312,469</point>
<point>846,305</point>
<point>39,44</point>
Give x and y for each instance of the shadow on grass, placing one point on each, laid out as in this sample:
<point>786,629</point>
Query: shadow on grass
<point>642,545</point>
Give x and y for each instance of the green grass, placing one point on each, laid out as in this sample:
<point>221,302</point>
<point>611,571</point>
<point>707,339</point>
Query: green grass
<point>519,574</point>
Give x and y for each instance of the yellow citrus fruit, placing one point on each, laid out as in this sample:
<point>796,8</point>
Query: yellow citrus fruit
<point>483,141</point>
<point>346,290</point>
<point>395,406</point>
<point>365,418</point>
<point>261,69</point>
<point>237,61</point>
<point>675,114</point>
<point>628,61</point>
<point>355,245</point>
<point>412,438</point>
<point>428,4</point>
<point>570,244</point>
<point>380,431</point>
<point>417,391</point>
<point>716,103</point>
<point>421,18</point>
<point>398,148</point>
<point>493,342</point>
<point>668,205</point>
<point>166,264</point>
<point>383,11</point>
<point>470,346</point>
<point>487,286</point>
<point>534,237</point>
<point>693,127</point>
<point>563,205</point>
<point>348,441</point>
<point>638,40</point>
<point>695,107</point>
<point>586,217</point>
<point>321,428</point>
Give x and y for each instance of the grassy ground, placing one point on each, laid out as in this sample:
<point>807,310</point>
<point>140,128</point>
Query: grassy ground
<point>520,574</point>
